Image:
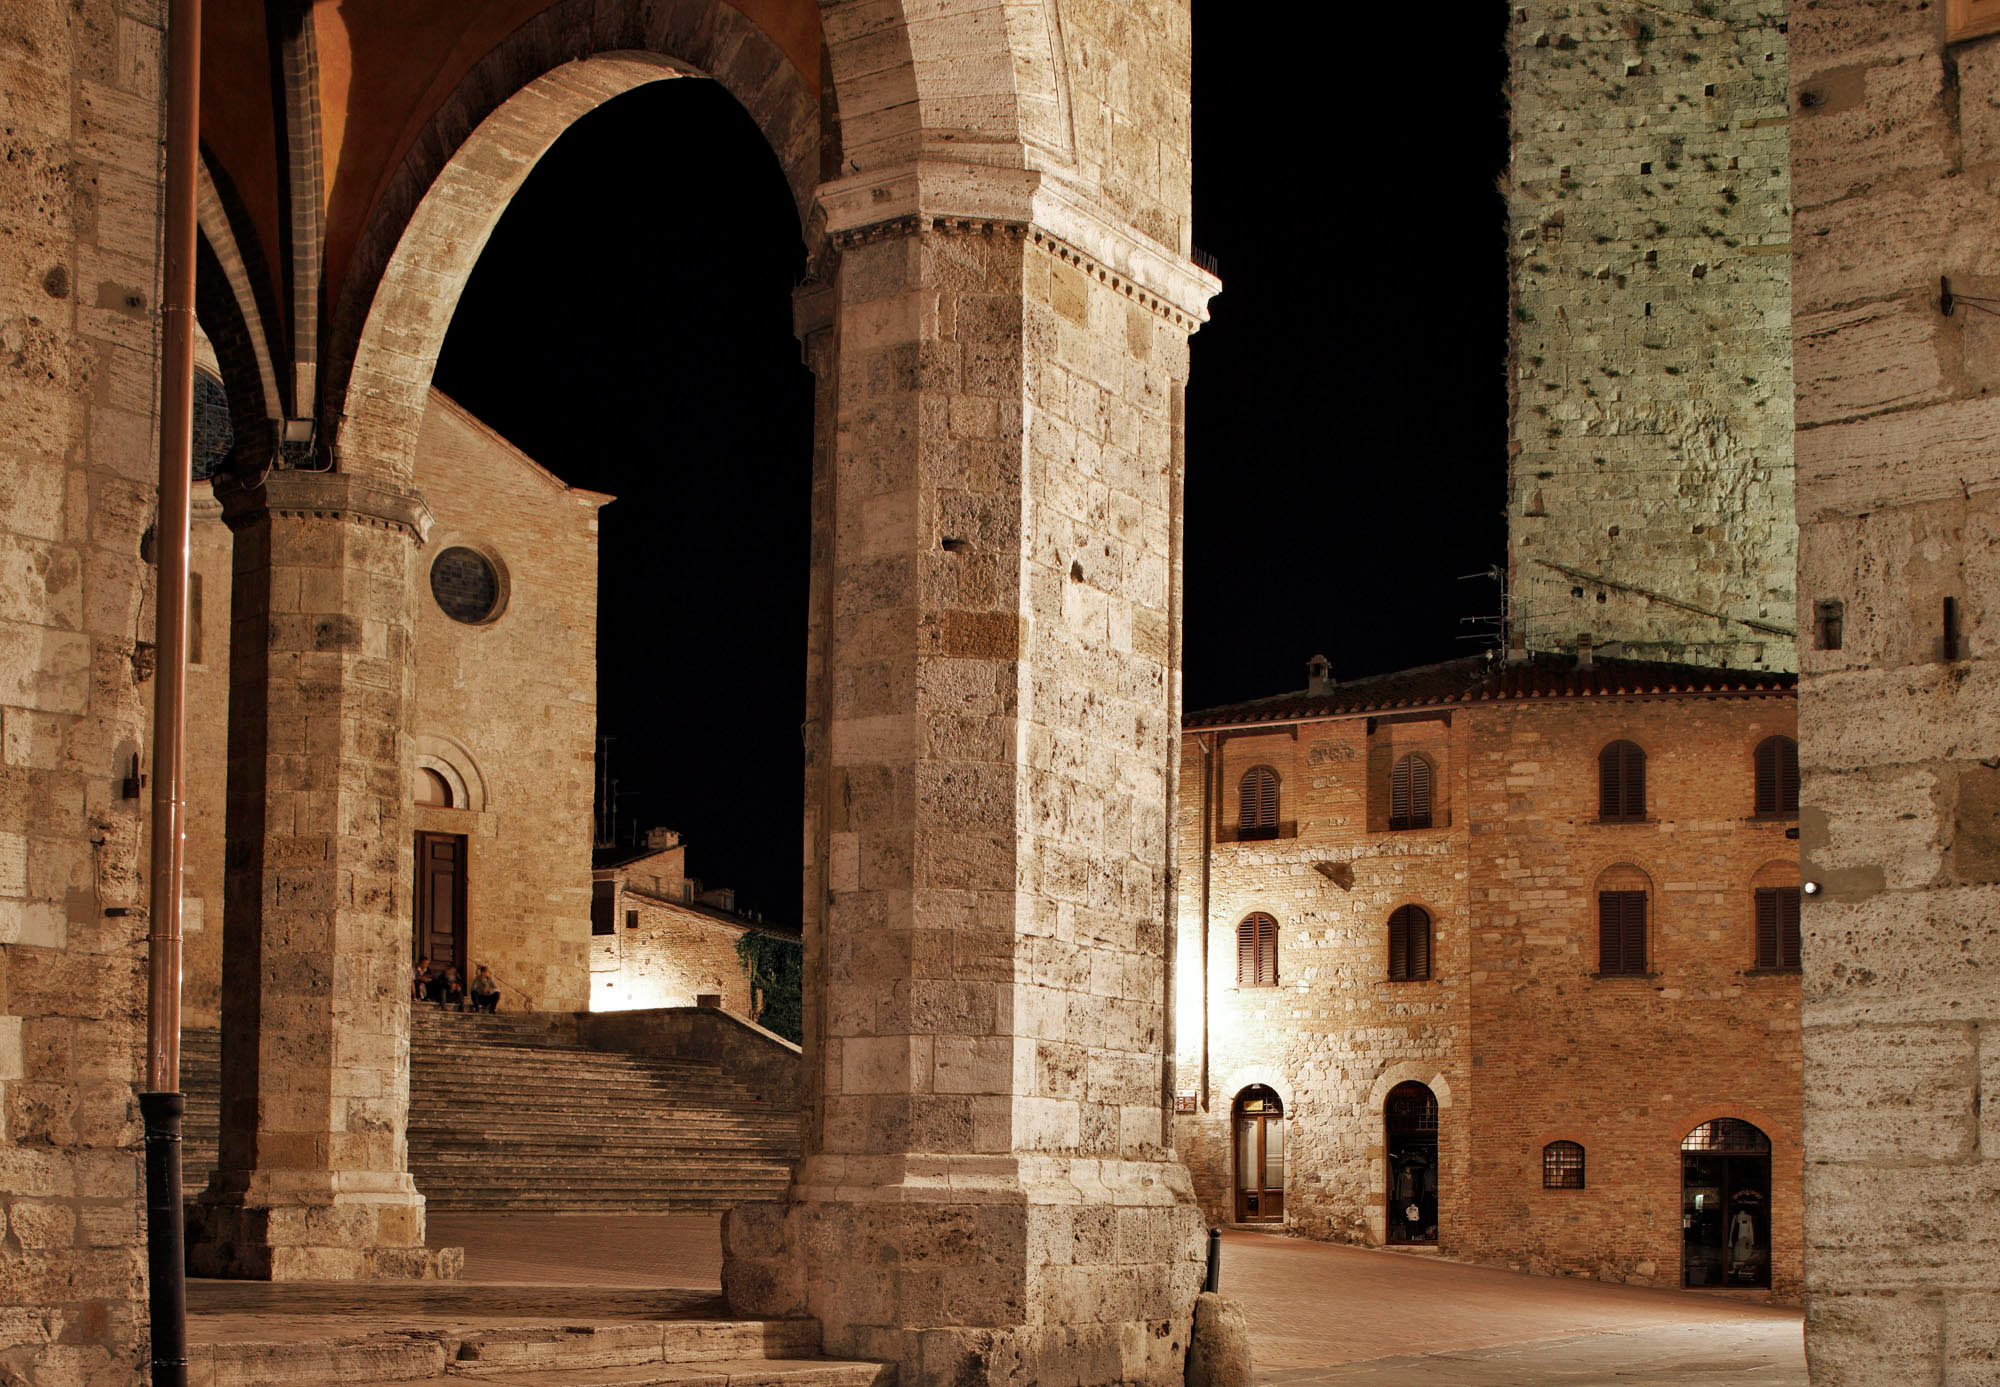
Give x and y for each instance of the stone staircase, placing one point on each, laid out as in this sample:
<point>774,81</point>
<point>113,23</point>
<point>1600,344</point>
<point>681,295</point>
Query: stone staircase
<point>511,1113</point>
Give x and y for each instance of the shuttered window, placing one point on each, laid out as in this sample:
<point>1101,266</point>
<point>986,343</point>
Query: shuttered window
<point>1410,793</point>
<point>1621,932</point>
<point>1409,944</point>
<point>1562,1166</point>
<point>1259,816</point>
<point>1621,783</point>
<point>1257,951</point>
<point>1777,776</point>
<point>1777,927</point>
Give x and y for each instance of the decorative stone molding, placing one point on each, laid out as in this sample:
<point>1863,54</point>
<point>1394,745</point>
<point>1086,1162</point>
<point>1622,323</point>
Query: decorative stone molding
<point>361,500</point>
<point>450,759</point>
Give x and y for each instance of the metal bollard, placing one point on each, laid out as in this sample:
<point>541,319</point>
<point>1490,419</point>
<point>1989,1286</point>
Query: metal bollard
<point>1214,1281</point>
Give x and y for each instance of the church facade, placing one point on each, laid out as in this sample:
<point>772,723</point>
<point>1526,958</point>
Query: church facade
<point>1501,958</point>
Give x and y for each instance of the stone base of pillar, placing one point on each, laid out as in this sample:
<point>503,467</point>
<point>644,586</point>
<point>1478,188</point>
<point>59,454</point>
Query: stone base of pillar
<point>322,1233</point>
<point>980,1271</point>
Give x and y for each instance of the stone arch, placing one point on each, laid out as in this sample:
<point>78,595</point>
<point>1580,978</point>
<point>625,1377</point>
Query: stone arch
<point>1251,1075</point>
<point>1408,1071</point>
<point>1777,872</point>
<point>426,232</point>
<point>450,758</point>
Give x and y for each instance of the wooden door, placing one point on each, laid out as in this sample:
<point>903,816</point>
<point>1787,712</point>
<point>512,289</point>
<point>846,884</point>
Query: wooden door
<point>440,901</point>
<point>1260,1157</point>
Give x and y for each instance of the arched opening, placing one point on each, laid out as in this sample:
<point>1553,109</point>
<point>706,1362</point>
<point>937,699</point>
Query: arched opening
<point>1726,1205</point>
<point>433,790</point>
<point>1410,1122</point>
<point>1259,1124</point>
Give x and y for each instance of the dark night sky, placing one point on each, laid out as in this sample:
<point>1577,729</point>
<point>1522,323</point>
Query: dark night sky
<point>629,326</point>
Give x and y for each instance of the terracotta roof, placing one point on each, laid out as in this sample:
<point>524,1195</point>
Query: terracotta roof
<point>1481,679</point>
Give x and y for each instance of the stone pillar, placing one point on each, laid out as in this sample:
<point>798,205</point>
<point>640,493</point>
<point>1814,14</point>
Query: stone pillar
<point>988,1192</point>
<point>312,1180</point>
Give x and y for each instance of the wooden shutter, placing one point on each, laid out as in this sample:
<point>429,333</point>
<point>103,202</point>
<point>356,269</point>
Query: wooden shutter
<point>1409,944</point>
<point>1777,776</point>
<point>1257,951</point>
<point>1621,782</point>
<point>1767,928</point>
<point>1258,815</point>
<point>1410,793</point>
<point>1621,931</point>
<point>1399,946</point>
<point>1778,927</point>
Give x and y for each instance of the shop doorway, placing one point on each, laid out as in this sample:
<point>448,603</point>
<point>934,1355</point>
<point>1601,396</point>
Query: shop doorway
<point>1260,1156</point>
<point>1411,1119</point>
<point>440,901</point>
<point>1726,1205</point>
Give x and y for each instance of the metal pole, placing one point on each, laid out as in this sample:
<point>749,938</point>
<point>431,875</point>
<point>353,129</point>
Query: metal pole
<point>161,1104</point>
<point>1214,1281</point>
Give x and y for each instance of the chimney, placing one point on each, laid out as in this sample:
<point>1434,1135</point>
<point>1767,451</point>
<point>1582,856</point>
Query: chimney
<point>1584,657</point>
<point>1319,672</point>
<point>658,838</point>
<point>1517,645</point>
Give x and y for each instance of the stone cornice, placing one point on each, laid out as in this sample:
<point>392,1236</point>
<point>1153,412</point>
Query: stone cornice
<point>349,496</point>
<point>959,198</point>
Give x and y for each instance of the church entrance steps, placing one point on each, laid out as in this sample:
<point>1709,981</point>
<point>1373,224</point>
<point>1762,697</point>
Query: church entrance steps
<point>513,1113</point>
<point>374,1335</point>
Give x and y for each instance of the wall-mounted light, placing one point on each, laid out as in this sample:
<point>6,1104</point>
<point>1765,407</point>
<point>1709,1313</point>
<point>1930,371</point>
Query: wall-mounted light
<point>1811,888</point>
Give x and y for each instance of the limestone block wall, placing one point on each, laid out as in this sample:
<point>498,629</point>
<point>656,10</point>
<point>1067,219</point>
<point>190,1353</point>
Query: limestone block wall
<point>210,562</point>
<point>79,179</point>
<point>1650,353</point>
<point>1335,1034</point>
<point>1896,149</point>
<point>1626,1066</point>
<point>517,698</point>
<point>665,954</point>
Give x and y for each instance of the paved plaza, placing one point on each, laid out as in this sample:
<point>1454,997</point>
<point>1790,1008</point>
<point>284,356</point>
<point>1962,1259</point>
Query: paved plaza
<point>1318,1313</point>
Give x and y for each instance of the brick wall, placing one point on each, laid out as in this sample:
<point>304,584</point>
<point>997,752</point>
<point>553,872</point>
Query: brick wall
<point>1895,153</point>
<point>1650,446</point>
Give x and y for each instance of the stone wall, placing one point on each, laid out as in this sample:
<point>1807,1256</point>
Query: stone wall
<point>206,762</point>
<point>1650,476</point>
<point>665,953</point>
<point>1625,1066</point>
<point>79,182</point>
<point>1896,150</point>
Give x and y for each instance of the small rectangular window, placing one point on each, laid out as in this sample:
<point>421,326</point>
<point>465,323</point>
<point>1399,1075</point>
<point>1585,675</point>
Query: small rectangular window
<point>1829,616</point>
<point>1562,1166</point>
<point>194,619</point>
<point>603,902</point>
<point>631,919</point>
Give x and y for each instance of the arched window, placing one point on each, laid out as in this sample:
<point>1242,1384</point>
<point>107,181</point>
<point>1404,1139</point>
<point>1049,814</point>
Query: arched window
<point>433,789</point>
<point>1621,783</point>
<point>1410,793</point>
<point>1259,816</point>
<point>1409,944</point>
<point>1621,921</point>
<point>1562,1166</point>
<point>1257,951</point>
<point>1777,776</point>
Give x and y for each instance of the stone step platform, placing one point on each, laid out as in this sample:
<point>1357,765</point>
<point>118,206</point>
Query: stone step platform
<point>248,1335</point>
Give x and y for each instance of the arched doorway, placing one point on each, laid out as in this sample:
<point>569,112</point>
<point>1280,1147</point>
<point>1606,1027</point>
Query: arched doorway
<point>1726,1205</point>
<point>1410,1119</point>
<point>1260,1156</point>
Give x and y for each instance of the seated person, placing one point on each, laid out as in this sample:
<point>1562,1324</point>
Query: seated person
<point>485,991</point>
<point>449,990</point>
<point>420,985</point>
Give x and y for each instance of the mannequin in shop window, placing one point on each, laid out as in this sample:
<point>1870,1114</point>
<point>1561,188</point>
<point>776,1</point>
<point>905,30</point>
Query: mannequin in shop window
<point>1743,1238</point>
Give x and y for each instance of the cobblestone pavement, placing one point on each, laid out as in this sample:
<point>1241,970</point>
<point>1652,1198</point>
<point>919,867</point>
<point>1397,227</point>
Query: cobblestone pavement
<point>1319,1313</point>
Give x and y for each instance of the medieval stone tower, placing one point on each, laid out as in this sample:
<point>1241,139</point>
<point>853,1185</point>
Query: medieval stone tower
<point>1650,440</point>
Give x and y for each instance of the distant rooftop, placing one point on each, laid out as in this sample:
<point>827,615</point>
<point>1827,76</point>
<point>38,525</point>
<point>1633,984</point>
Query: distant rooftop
<point>1488,679</point>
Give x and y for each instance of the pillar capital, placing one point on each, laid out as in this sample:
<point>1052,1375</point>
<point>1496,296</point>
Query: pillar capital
<point>359,498</point>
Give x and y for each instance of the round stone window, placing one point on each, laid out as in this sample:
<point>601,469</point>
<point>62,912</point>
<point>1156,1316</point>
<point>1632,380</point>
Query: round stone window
<point>466,585</point>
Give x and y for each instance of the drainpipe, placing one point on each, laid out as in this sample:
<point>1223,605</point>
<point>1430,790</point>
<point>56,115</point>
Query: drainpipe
<point>160,1103</point>
<point>1209,751</point>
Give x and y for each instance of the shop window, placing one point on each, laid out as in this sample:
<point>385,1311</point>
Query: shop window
<point>1726,1208</point>
<point>1621,783</point>
<point>1409,944</point>
<point>1777,776</point>
<point>1410,793</point>
<point>1259,814</point>
<point>1257,951</point>
<point>1562,1166</point>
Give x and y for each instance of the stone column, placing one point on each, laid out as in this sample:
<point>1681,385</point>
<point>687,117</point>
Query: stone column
<point>988,1192</point>
<point>312,1180</point>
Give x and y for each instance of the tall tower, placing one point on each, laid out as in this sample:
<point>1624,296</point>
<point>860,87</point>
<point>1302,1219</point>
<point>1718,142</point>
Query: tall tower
<point>1650,379</point>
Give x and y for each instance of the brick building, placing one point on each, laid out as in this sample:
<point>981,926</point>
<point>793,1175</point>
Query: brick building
<point>1501,956</point>
<point>505,719</point>
<point>659,939</point>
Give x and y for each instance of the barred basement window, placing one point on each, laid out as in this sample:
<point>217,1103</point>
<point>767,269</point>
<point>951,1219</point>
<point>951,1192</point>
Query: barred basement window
<point>1409,944</point>
<point>1621,932</point>
<point>1410,793</point>
<point>1621,783</point>
<point>1777,776</point>
<point>1562,1166</point>
<point>1777,927</point>
<point>1259,814</point>
<point>1257,951</point>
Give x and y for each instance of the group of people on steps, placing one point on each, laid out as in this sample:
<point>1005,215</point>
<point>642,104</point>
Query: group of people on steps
<point>446,988</point>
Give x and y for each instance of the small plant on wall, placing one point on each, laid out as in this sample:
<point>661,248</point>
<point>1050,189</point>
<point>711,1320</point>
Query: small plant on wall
<point>776,969</point>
